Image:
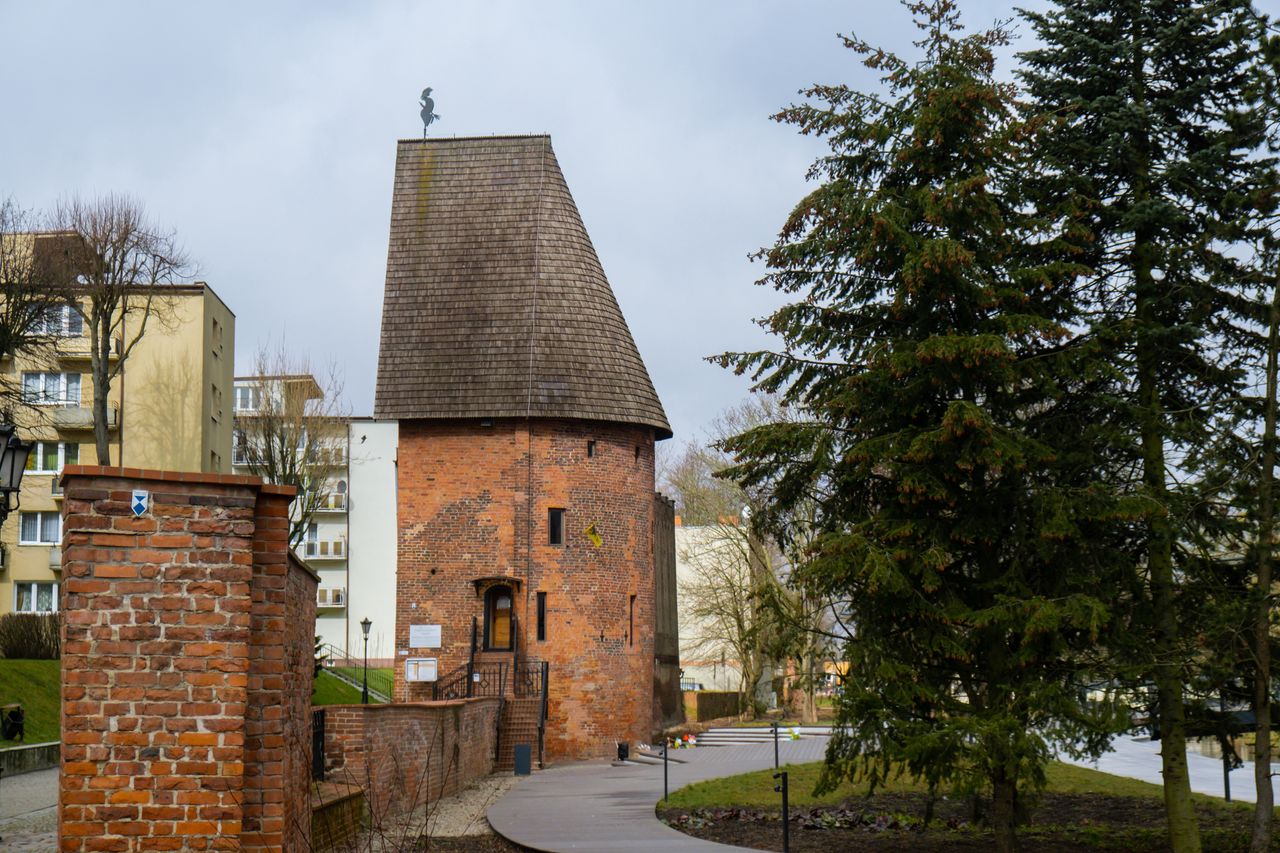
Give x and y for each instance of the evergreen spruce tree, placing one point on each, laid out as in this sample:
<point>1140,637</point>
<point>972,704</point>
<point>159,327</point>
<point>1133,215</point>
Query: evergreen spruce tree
<point>1160,142</point>
<point>947,450</point>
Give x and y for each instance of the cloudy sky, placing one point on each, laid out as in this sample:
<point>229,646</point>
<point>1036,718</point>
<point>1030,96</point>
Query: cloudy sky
<point>264,133</point>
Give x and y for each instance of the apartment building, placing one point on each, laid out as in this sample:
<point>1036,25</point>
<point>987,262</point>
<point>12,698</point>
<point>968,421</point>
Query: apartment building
<point>166,410</point>
<point>282,434</point>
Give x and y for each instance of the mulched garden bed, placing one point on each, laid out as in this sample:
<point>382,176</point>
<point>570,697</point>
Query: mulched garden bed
<point>1062,823</point>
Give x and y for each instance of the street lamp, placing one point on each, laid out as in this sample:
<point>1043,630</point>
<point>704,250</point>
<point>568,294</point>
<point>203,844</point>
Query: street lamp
<point>365,625</point>
<point>13,463</point>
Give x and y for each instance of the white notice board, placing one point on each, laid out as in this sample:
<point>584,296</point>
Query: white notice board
<point>424,636</point>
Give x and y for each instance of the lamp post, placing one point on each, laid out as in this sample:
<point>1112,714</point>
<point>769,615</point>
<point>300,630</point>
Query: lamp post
<point>13,463</point>
<point>365,625</point>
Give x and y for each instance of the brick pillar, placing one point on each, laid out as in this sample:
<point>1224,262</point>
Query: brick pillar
<point>165,662</point>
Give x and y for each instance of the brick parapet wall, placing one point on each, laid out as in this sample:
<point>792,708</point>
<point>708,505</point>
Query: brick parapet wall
<point>406,755</point>
<point>166,664</point>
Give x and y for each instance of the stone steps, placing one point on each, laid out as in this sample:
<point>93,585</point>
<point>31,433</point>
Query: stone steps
<point>519,725</point>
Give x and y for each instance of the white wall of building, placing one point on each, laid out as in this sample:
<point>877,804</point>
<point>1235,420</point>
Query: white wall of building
<point>371,516</point>
<point>713,670</point>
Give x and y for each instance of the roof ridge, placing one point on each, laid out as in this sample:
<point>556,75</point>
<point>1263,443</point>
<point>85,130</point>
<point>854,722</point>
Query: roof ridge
<point>426,139</point>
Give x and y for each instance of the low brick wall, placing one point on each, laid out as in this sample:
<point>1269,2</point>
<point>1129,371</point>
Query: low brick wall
<point>405,755</point>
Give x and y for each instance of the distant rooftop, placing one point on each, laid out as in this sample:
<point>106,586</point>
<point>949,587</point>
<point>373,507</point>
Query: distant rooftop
<point>496,304</point>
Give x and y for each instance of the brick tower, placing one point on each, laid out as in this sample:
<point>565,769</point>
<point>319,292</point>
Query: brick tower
<point>527,426</point>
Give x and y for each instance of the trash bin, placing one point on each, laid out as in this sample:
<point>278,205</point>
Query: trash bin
<point>12,722</point>
<point>524,759</point>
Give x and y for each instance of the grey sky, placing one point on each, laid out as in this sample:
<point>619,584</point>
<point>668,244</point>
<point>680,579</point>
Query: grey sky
<point>265,134</point>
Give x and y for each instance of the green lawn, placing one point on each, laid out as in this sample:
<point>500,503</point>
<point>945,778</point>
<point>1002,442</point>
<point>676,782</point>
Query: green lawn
<point>33,684</point>
<point>755,790</point>
<point>333,691</point>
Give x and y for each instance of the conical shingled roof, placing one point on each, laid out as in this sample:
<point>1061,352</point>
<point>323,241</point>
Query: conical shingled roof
<point>496,304</point>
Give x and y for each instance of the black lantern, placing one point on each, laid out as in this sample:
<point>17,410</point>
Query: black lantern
<point>13,464</point>
<point>365,625</point>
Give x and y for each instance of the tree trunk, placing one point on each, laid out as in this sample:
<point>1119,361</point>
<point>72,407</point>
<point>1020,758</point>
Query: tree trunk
<point>1265,803</point>
<point>1004,814</point>
<point>99,362</point>
<point>809,714</point>
<point>1184,832</point>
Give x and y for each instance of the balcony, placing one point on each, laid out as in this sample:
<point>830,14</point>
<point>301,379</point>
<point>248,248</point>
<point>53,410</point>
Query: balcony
<point>325,549</point>
<point>76,348</point>
<point>331,597</point>
<point>80,417</point>
<point>332,502</point>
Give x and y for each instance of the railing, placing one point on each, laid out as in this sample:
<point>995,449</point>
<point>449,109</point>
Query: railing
<point>325,549</point>
<point>351,670</point>
<point>317,744</point>
<point>471,680</point>
<point>527,678</point>
<point>332,502</point>
<point>335,596</point>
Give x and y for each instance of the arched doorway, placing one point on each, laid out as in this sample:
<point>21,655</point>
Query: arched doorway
<point>497,618</point>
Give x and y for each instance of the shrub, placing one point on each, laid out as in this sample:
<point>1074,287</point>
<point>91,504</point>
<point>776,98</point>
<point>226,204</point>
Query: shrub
<point>30,636</point>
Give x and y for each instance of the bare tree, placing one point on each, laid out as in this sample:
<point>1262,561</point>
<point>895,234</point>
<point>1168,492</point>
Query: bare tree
<point>785,622</point>
<point>117,264</point>
<point>32,298</point>
<point>729,576</point>
<point>293,431</point>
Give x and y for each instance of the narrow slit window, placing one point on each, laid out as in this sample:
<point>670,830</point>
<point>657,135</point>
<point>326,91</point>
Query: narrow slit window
<point>631,620</point>
<point>591,448</point>
<point>555,526</point>
<point>542,616</point>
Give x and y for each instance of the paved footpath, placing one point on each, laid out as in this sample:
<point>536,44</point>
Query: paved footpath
<point>597,806</point>
<point>28,812</point>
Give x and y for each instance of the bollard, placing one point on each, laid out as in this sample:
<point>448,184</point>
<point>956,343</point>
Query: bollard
<point>666,745</point>
<point>786,812</point>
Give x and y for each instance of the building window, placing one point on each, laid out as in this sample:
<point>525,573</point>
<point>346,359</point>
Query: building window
<point>35,597</point>
<point>542,616</point>
<point>61,322</point>
<point>49,457</point>
<point>51,389</point>
<point>40,528</point>
<point>555,526</point>
<point>591,448</point>
<point>248,398</point>
<point>631,623</point>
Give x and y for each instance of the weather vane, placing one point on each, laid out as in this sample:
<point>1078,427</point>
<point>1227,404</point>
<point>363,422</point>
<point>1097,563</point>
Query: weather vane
<point>428,111</point>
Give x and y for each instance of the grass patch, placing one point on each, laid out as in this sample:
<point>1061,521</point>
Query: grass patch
<point>329,690</point>
<point>33,684</point>
<point>755,790</point>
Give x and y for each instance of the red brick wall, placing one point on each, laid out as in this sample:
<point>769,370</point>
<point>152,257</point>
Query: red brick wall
<point>465,493</point>
<point>165,662</point>
<point>408,755</point>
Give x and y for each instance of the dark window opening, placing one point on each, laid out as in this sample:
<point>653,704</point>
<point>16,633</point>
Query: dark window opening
<point>542,616</point>
<point>555,526</point>
<point>591,449</point>
<point>631,628</point>
<point>637,453</point>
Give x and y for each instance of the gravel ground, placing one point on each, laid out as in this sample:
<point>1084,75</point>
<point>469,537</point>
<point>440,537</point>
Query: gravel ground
<point>454,823</point>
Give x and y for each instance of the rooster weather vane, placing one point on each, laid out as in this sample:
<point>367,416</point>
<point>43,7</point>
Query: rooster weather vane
<point>428,111</point>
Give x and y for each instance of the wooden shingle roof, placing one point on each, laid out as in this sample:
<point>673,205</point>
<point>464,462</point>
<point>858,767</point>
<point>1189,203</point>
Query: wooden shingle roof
<point>496,304</point>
